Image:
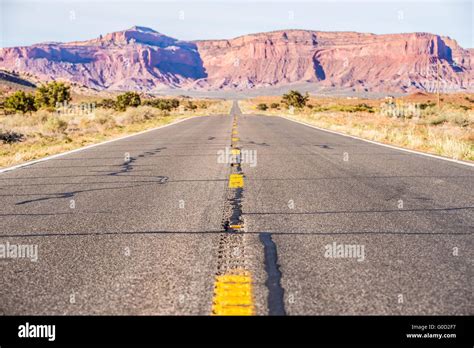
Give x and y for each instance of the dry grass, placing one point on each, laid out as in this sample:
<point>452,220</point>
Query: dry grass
<point>447,131</point>
<point>46,133</point>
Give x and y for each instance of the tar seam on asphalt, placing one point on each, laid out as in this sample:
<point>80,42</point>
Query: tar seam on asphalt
<point>232,216</point>
<point>63,195</point>
<point>276,304</point>
<point>128,164</point>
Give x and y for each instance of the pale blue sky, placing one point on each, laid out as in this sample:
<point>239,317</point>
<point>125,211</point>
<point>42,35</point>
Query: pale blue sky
<point>24,22</point>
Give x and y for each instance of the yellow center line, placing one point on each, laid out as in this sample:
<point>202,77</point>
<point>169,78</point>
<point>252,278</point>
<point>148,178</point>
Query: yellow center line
<point>236,181</point>
<point>233,290</point>
<point>233,294</point>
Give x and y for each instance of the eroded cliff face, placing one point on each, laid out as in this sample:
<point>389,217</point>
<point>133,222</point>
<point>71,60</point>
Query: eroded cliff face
<point>261,60</point>
<point>401,62</point>
<point>135,59</point>
<point>143,59</point>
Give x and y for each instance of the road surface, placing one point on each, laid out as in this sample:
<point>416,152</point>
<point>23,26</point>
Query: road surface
<point>329,225</point>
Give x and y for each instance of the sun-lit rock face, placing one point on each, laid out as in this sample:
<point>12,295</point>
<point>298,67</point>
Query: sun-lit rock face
<point>142,59</point>
<point>400,62</point>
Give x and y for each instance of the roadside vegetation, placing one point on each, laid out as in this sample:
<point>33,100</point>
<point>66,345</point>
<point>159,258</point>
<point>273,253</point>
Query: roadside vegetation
<point>413,121</point>
<point>51,119</point>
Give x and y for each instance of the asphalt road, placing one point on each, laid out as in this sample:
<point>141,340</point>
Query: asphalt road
<point>146,235</point>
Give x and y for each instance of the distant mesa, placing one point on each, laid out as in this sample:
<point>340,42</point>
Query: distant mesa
<point>143,59</point>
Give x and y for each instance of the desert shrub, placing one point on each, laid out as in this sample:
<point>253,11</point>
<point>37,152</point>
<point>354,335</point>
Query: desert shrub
<point>357,108</point>
<point>294,99</point>
<point>101,119</point>
<point>131,116</point>
<point>107,103</point>
<point>107,122</point>
<point>190,106</point>
<point>39,117</point>
<point>363,107</point>
<point>460,119</point>
<point>321,108</point>
<point>105,118</point>
<point>162,104</point>
<point>55,125</point>
<point>148,113</point>
<point>9,137</point>
<point>20,102</point>
<point>262,106</point>
<point>128,99</point>
<point>137,115</point>
<point>424,106</point>
<point>438,120</point>
<point>274,105</point>
<point>174,103</point>
<point>52,94</point>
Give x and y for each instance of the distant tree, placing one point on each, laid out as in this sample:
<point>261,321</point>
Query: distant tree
<point>274,105</point>
<point>295,99</point>
<point>20,102</point>
<point>262,106</point>
<point>128,99</point>
<point>52,94</point>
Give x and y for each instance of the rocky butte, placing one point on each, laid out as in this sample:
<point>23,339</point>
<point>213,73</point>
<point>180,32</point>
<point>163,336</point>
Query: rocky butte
<point>142,59</point>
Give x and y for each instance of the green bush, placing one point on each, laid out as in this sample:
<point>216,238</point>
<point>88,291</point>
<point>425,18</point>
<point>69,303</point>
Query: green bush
<point>274,105</point>
<point>424,106</point>
<point>262,107</point>
<point>356,108</point>
<point>295,99</point>
<point>52,94</point>
<point>107,103</point>
<point>163,104</point>
<point>363,107</point>
<point>128,99</point>
<point>20,102</point>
